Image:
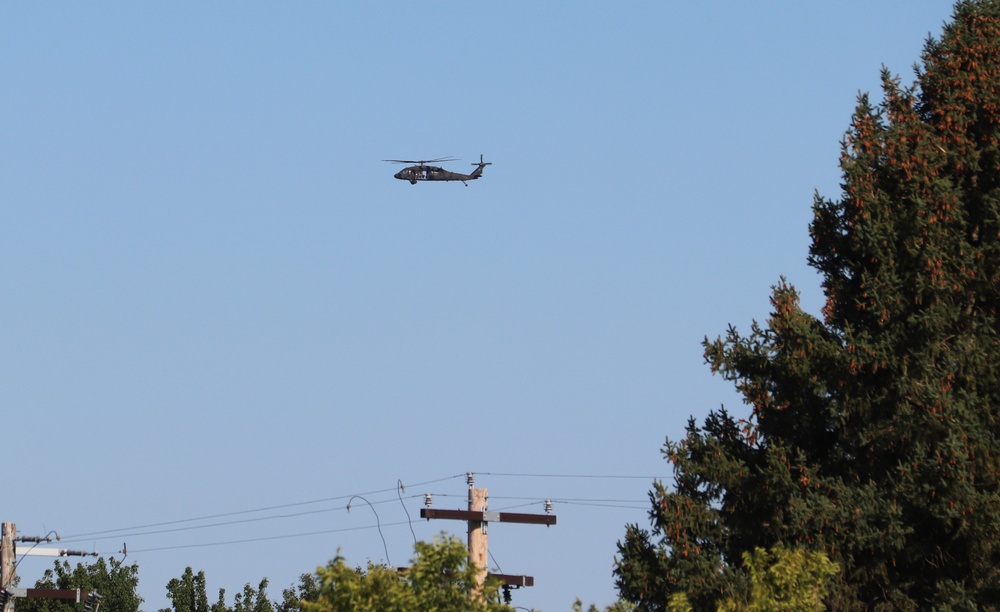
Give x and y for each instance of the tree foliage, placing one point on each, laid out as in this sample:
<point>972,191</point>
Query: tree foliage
<point>780,580</point>
<point>873,434</point>
<point>292,598</point>
<point>439,579</point>
<point>189,594</point>
<point>252,600</point>
<point>114,581</point>
<point>618,606</point>
<point>784,580</point>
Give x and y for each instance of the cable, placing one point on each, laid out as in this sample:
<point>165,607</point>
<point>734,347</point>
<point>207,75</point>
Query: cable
<point>78,536</point>
<point>596,476</point>
<point>497,564</point>
<point>262,539</point>
<point>186,524</point>
<point>44,538</point>
<point>378,523</point>
<point>400,488</point>
<point>623,507</point>
<point>236,522</point>
<point>571,499</point>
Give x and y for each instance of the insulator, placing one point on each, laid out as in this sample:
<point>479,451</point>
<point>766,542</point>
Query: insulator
<point>469,479</point>
<point>427,500</point>
<point>93,603</point>
<point>548,506</point>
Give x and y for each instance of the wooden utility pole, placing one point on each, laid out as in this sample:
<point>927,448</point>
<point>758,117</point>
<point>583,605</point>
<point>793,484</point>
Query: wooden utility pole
<point>478,518</point>
<point>8,552</point>
<point>478,535</point>
<point>7,559</point>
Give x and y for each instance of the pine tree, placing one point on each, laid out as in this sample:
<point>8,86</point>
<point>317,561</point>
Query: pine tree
<point>874,431</point>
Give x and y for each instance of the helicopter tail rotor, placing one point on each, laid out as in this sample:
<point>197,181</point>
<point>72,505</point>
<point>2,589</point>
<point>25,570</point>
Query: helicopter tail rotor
<point>479,168</point>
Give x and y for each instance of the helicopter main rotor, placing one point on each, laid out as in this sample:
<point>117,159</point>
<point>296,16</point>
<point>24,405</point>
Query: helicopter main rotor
<point>421,162</point>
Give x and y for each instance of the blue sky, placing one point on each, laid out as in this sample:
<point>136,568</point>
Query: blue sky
<point>217,302</point>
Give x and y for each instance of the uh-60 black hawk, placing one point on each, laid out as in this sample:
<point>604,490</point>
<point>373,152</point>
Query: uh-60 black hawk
<point>422,172</point>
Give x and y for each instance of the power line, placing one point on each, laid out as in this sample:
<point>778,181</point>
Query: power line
<point>594,476</point>
<point>127,534</point>
<point>571,499</point>
<point>378,522</point>
<point>181,525</point>
<point>399,492</point>
<point>118,531</point>
<point>259,539</point>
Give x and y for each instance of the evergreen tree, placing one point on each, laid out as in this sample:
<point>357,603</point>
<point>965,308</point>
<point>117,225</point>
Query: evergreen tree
<point>874,432</point>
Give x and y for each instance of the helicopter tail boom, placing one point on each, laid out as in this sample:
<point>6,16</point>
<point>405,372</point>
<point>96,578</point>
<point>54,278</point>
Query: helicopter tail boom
<point>479,168</point>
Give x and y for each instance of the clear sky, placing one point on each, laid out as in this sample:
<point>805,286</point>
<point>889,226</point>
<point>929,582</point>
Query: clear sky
<point>215,300</point>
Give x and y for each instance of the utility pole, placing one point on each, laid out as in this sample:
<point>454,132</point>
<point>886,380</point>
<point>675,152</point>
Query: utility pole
<point>91,600</point>
<point>7,559</point>
<point>8,552</point>
<point>478,534</point>
<point>478,518</point>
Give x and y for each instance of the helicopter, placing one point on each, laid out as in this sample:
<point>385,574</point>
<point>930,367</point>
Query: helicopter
<point>422,172</point>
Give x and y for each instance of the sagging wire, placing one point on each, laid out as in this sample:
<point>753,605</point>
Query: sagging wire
<point>257,539</point>
<point>594,476</point>
<point>37,540</point>
<point>378,523</point>
<point>79,536</point>
<point>240,521</point>
<point>400,489</point>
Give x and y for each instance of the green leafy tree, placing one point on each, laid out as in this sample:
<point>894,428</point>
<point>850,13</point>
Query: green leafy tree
<point>220,604</point>
<point>874,431</point>
<point>292,598</point>
<point>784,580</point>
<point>114,581</point>
<point>780,580</point>
<point>188,594</point>
<point>618,606</point>
<point>440,579</point>
<point>252,600</point>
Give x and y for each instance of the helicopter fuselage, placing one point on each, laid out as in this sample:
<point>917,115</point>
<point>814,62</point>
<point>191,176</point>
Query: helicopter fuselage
<point>423,172</point>
<point>431,173</point>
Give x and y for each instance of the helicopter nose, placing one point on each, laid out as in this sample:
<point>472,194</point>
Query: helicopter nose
<point>398,175</point>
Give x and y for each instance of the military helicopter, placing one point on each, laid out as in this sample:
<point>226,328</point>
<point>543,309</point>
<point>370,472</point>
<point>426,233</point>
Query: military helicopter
<point>422,172</point>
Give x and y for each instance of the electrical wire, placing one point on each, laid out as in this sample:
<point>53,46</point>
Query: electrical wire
<point>180,525</point>
<point>400,488</point>
<point>44,538</point>
<point>118,532</point>
<point>263,539</point>
<point>251,511</point>
<point>378,522</point>
<point>235,522</point>
<point>621,506</point>
<point>570,499</point>
<point>594,476</point>
<point>496,564</point>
